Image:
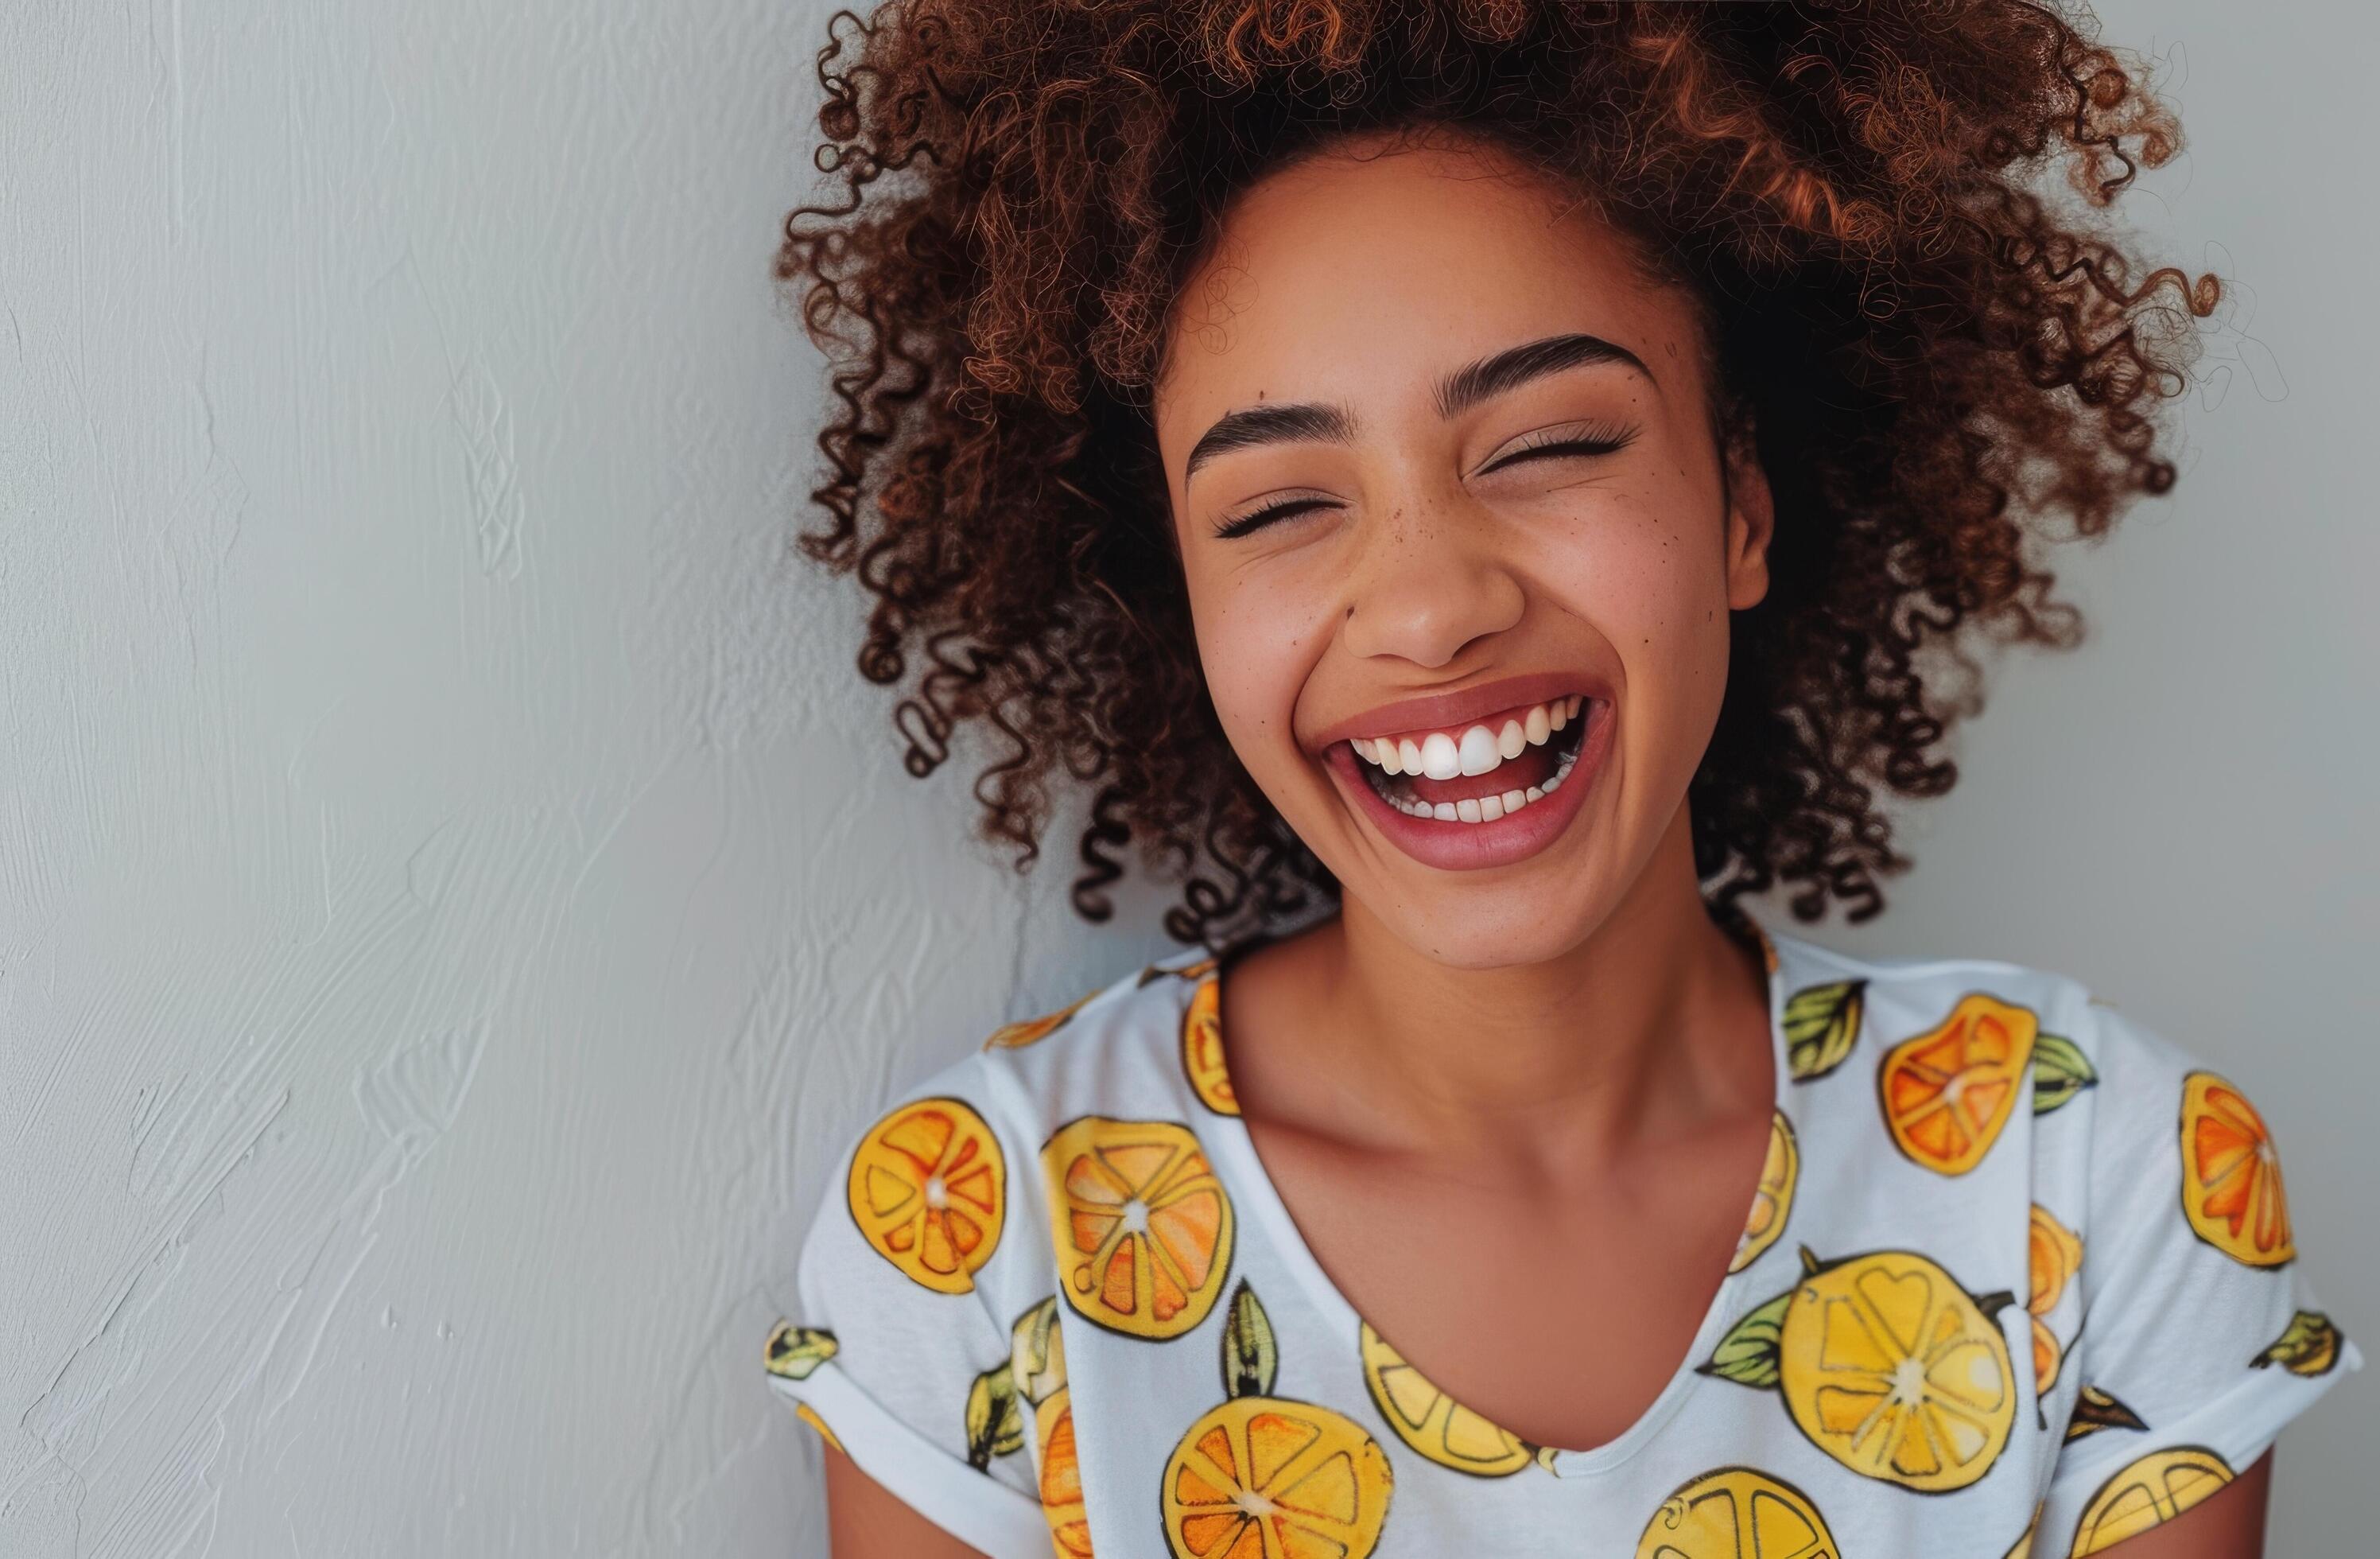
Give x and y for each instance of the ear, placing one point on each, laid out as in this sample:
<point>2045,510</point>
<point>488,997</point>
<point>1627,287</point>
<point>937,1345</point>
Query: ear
<point>1750,513</point>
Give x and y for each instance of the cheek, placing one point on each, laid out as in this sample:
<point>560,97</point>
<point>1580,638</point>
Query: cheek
<point>1255,645</point>
<point>1656,592</point>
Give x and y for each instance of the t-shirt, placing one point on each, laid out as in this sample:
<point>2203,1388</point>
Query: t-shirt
<point>2018,1278</point>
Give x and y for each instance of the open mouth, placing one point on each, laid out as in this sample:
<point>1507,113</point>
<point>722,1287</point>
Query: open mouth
<point>1521,772</point>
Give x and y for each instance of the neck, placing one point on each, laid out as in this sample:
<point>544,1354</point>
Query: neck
<point>1654,1023</point>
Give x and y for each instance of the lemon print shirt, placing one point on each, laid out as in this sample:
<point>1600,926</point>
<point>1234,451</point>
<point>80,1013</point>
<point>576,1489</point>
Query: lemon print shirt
<point>2018,1279</point>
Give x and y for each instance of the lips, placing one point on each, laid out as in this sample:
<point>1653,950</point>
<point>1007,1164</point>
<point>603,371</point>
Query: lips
<point>1514,747</point>
<point>1486,793</point>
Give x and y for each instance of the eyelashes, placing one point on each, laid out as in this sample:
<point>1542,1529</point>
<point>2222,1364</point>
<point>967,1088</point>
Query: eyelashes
<point>1595,439</point>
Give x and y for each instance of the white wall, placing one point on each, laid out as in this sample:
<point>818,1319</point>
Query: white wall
<point>454,891</point>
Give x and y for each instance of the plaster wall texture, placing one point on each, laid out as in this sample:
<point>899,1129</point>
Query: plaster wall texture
<point>455,894</point>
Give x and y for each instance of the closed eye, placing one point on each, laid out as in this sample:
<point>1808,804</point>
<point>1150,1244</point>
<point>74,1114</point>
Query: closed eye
<point>1596,442</point>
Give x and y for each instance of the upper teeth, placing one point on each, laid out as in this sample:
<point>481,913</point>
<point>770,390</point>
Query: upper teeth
<point>1476,749</point>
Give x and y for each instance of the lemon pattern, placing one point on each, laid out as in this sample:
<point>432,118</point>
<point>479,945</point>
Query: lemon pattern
<point>1773,1200</point>
<point>1736,1513</point>
<point>1432,1422</point>
<point>1266,1475</point>
<point>1202,1048</point>
<point>2054,1256</point>
<point>2231,1174</point>
<point>2146,1493</point>
<point>928,1189</point>
<point>1887,1364</point>
<point>1949,1091</point>
<point>2003,1247</point>
<point>1142,1226</point>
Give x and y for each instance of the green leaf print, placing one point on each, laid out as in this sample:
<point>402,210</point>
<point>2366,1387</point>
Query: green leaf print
<point>1821,1023</point>
<point>794,1351</point>
<point>2095,1410</point>
<point>2309,1347</point>
<point>2060,1071</point>
<point>1251,1358</point>
<point>994,1425</point>
<point>1747,1355</point>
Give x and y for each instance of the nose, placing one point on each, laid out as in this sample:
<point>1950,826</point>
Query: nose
<point>1426,584</point>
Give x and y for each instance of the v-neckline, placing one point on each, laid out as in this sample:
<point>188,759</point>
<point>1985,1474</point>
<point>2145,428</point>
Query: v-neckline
<point>1255,1196</point>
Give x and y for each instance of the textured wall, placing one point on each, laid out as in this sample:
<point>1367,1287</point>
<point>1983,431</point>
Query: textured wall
<point>455,893</point>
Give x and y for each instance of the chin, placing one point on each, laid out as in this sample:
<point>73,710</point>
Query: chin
<point>1485,928</point>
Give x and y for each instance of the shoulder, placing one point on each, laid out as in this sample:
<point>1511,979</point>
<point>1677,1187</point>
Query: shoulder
<point>2101,1086</point>
<point>1128,1047</point>
<point>1933,1010</point>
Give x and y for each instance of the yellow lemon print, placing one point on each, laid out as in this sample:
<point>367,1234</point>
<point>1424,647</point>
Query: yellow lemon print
<point>1008,1036</point>
<point>2231,1176</point>
<point>1265,1477</point>
<point>1141,1226</point>
<point>1773,1201</point>
<point>802,1410</point>
<point>1202,1048</point>
<point>1433,1423</point>
<point>1736,1513</point>
<point>928,1189</point>
<point>1887,1364</point>
<point>2149,1492</point>
<point>2055,1254</point>
<point>1948,1092</point>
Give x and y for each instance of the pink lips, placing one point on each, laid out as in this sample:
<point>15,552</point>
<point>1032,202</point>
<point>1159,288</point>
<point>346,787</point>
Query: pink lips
<point>1472,846</point>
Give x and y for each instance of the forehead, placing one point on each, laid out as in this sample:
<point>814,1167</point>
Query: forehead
<point>1355,277</point>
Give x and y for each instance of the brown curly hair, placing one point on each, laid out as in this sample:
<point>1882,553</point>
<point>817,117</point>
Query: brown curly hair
<point>1933,356</point>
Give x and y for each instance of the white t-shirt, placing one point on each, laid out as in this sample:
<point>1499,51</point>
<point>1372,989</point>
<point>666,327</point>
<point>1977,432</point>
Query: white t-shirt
<point>2017,1271</point>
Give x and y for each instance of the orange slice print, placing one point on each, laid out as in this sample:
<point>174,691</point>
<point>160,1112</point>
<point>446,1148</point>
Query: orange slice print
<point>2054,1256</point>
<point>928,1189</point>
<point>1024,1031</point>
<point>1062,1478</point>
<point>1270,1477</point>
<point>2046,1358</point>
<point>1141,1226</point>
<point>1202,1048</point>
<point>2231,1174</point>
<point>1948,1092</point>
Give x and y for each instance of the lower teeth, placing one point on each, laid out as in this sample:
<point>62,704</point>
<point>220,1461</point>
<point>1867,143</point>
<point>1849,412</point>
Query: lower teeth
<point>1387,789</point>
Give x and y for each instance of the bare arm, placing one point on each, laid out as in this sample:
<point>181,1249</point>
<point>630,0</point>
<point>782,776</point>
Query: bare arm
<point>866,1520</point>
<point>2229,1525</point>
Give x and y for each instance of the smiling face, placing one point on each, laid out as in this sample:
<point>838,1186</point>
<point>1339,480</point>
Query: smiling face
<point>1408,545</point>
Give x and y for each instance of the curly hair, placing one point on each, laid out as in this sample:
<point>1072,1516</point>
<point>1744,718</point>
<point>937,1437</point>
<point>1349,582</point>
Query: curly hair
<point>1935,357</point>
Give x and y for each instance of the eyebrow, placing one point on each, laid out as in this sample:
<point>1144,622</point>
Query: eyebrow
<point>1457,392</point>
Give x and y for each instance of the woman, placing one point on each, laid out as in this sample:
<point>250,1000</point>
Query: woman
<point>1514,479</point>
